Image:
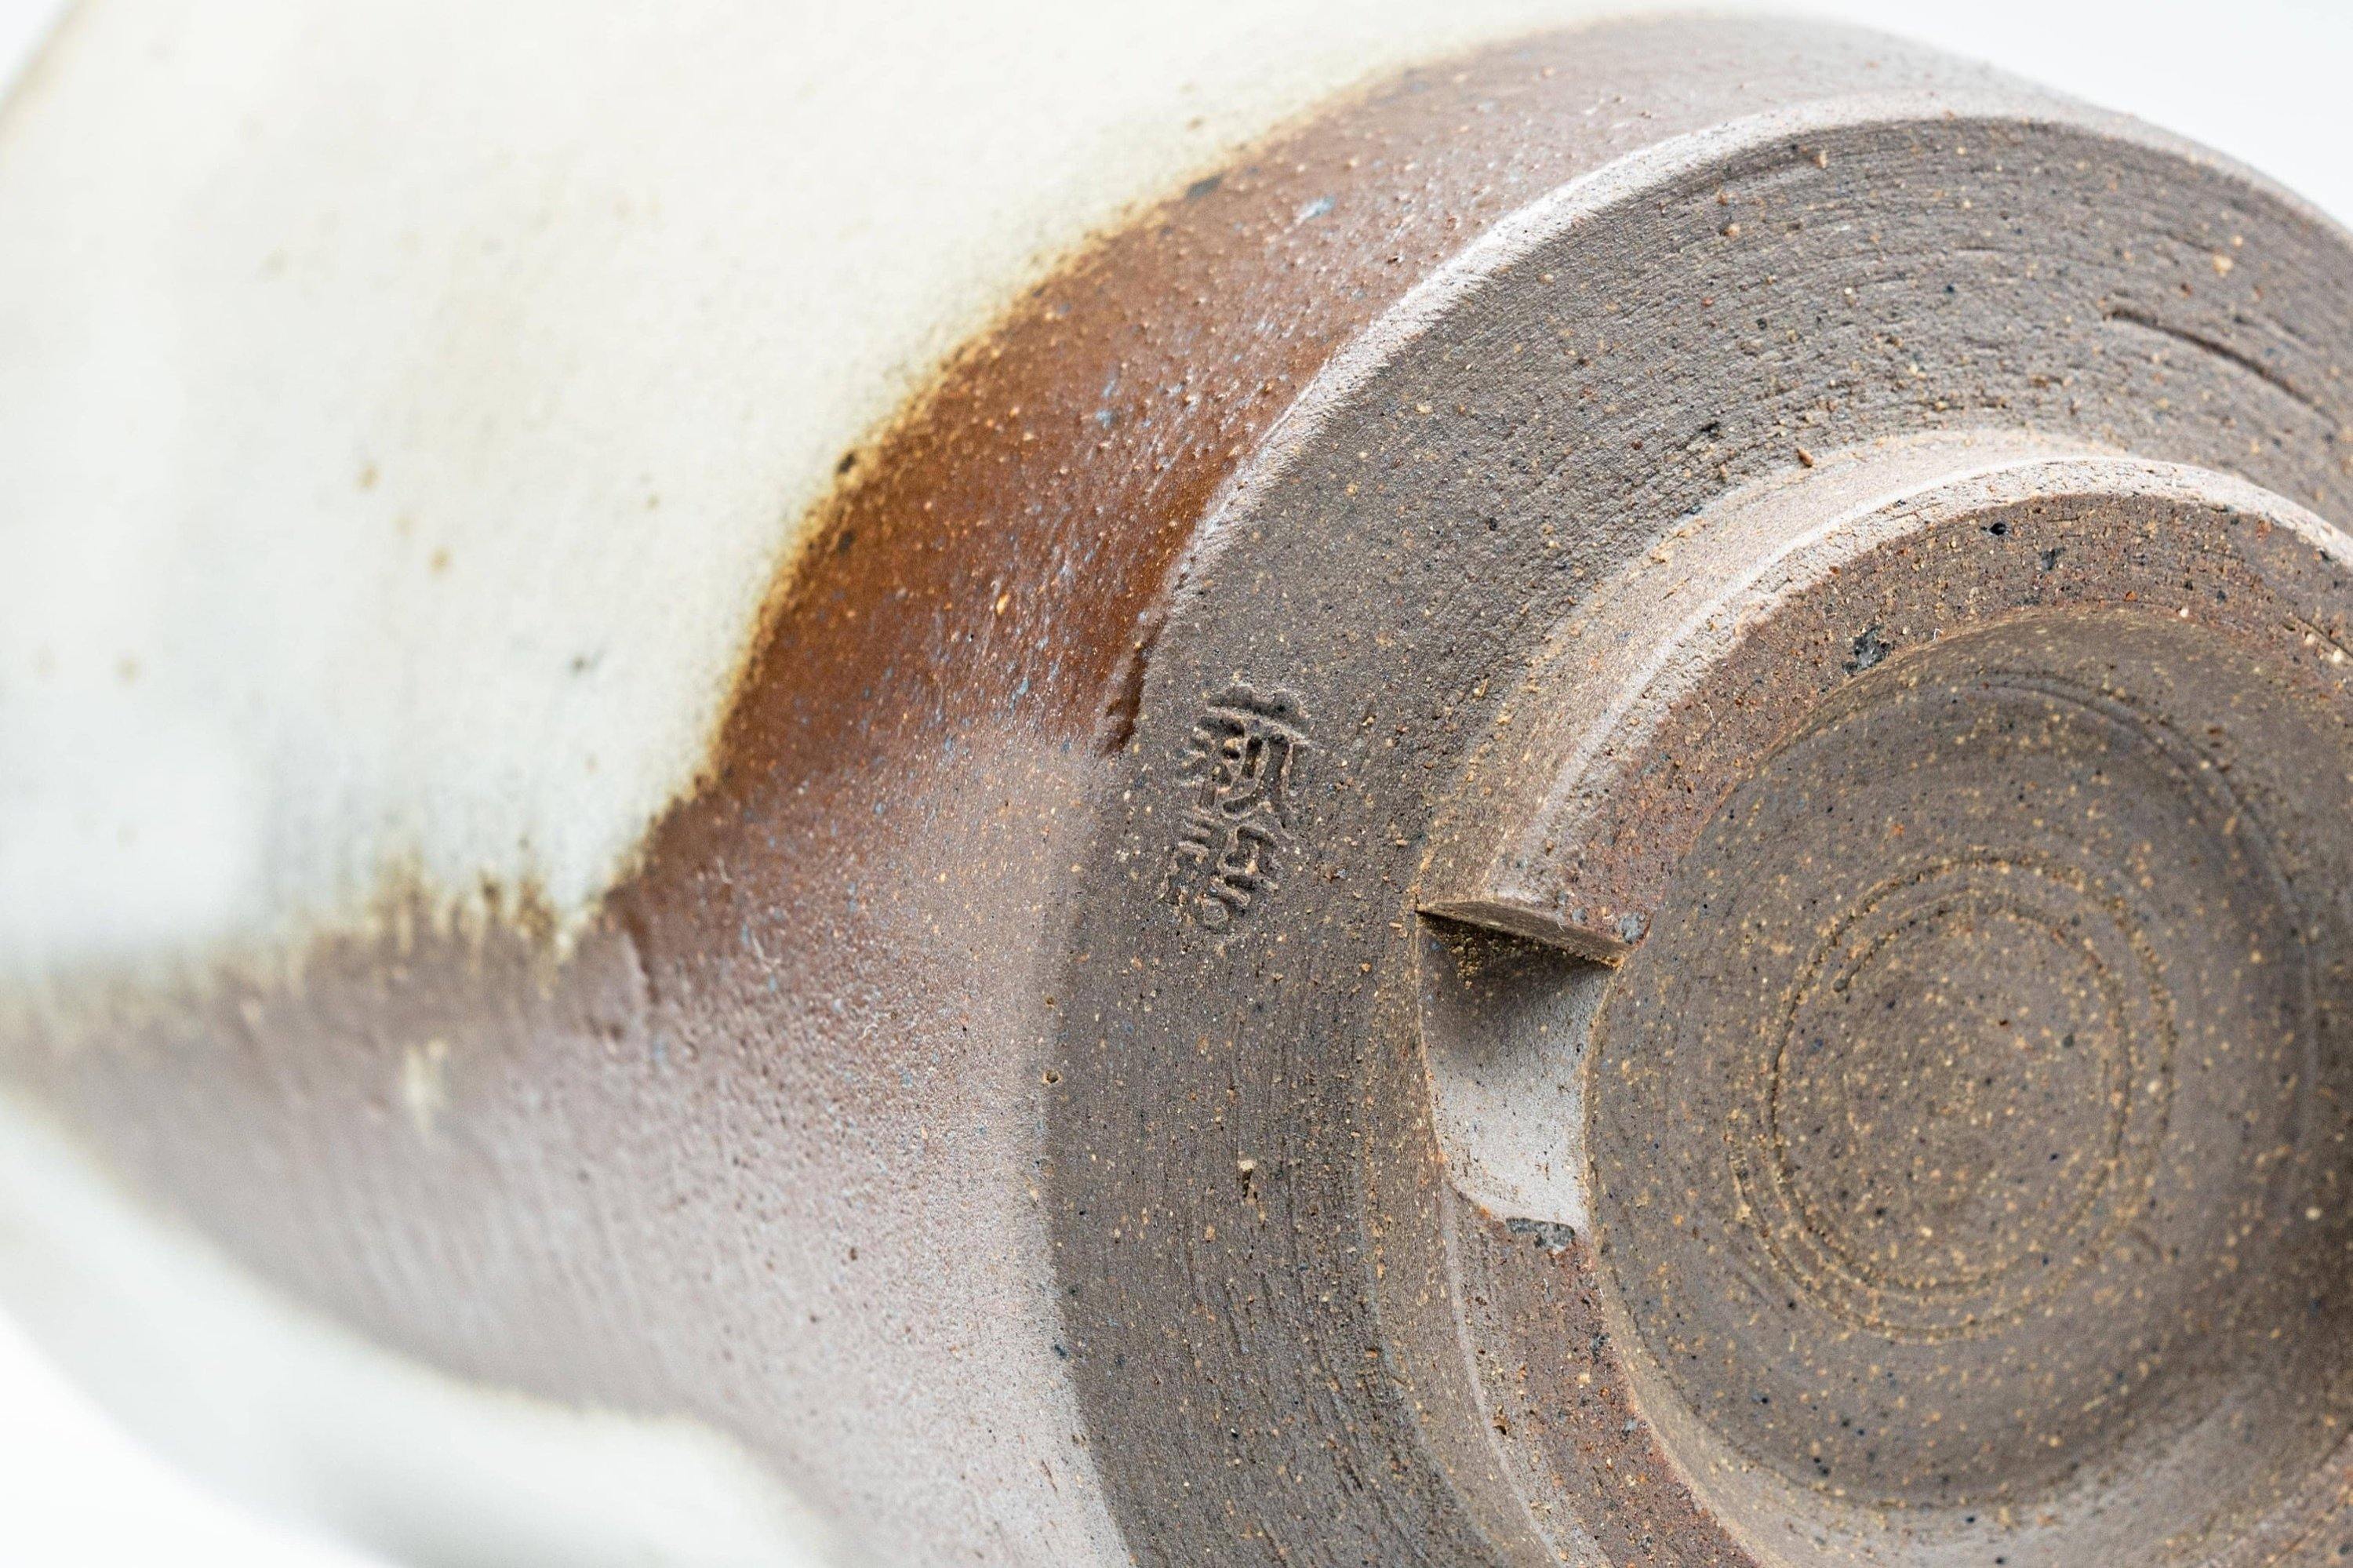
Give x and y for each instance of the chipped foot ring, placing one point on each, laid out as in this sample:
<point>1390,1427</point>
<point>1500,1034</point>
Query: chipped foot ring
<point>1927,861</point>
<point>1597,813</point>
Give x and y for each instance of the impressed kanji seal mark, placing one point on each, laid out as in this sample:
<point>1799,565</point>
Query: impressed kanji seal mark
<point>1241,766</point>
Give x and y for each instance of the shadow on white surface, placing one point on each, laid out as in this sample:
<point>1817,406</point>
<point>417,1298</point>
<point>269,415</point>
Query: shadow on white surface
<point>76,1491</point>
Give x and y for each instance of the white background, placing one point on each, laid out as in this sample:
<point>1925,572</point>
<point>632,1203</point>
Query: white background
<point>2264,81</point>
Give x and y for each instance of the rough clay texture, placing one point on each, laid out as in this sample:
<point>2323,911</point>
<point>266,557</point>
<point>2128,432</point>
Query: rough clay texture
<point>1257,1229</point>
<point>1963,1138</point>
<point>907,1116</point>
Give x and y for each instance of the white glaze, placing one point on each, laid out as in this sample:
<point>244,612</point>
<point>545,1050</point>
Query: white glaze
<point>404,409</point>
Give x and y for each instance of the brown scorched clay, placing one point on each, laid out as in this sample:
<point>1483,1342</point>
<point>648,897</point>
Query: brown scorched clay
<point>1596,814</point>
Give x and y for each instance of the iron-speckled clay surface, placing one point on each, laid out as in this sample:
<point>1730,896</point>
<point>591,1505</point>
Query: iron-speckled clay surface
<point>1100,1066</point>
